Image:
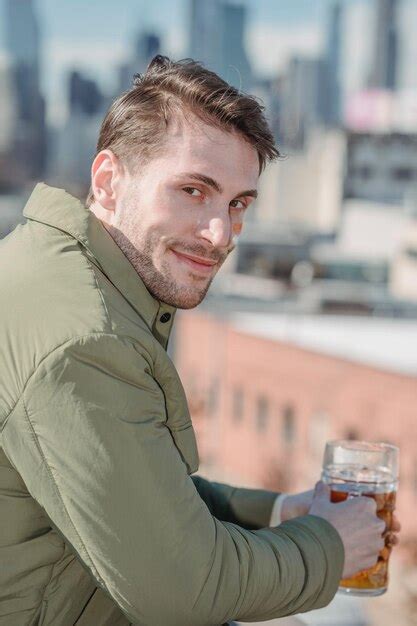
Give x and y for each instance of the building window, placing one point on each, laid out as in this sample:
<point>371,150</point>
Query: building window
<point>238,401</point>
<point>365,172</point>
<point>403,173</point>
<point>352,434</point>
<point>288,424</point>
<point>411,253</point>
<point>213,397</point>
<point>414,479</point>
<point>319,429</point>
<point>261,413</point>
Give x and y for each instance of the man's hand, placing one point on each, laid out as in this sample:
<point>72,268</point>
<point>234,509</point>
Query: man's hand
<point>359,527</point>
<point>298,504</point>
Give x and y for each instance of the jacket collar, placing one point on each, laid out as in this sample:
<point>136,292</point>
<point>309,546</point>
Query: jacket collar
<point>57,208</point>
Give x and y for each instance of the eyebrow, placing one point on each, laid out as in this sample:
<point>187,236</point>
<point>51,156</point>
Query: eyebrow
<point>210,182</point>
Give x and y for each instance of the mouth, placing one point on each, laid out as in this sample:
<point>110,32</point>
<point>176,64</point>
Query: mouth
<point>202,266</point>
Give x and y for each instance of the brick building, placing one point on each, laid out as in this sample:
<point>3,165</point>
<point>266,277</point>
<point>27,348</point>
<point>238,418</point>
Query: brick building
<point>266,391</point>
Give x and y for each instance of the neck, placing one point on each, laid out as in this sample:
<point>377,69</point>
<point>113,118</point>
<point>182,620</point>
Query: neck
<point>101,213</point>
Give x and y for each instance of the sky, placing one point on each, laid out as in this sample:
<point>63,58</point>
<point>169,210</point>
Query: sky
<point>97,37</point>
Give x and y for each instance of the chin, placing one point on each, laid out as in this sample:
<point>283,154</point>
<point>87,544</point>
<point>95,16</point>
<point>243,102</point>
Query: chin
<point>185,301</point>
<point>184,298</point>
<point>181,293</point>
<point>188,304</point>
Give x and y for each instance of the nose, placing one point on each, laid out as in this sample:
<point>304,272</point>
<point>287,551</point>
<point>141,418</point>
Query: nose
<point>218,231</point>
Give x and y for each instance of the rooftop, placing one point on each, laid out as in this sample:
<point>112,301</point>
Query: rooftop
<point>388,344</point>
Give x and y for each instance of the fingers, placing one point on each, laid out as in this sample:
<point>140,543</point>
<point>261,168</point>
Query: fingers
<point>369,507</point>
<point>395,526</point>
<point>391,539</point>
<point>373,550</point>
<point>389,532</point>
<point>381,527</point>
<point>381,545</point>
<point>371,562</point>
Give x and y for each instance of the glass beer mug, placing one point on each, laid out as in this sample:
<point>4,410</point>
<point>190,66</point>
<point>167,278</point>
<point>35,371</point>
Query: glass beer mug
<point>360,468</point>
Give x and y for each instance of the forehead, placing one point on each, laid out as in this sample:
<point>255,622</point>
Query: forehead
<point>193,145</point>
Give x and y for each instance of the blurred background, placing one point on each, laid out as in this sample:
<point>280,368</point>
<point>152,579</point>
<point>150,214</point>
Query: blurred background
<point>309,331</point>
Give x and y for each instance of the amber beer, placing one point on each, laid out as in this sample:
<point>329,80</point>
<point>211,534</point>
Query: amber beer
<point>375,577</point>
<point>353,469</point>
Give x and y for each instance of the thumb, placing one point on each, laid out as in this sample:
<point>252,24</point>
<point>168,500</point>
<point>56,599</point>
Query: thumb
<point>322,490</point>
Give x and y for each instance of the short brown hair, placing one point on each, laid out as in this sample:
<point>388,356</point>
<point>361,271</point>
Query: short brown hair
<point>136,122</point>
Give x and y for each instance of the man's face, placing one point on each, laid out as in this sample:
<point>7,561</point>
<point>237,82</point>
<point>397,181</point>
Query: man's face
<point>176,219</point>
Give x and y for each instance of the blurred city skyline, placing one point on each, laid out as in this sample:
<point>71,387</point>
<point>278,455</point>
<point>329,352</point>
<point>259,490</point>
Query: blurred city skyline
<point>103,39</point>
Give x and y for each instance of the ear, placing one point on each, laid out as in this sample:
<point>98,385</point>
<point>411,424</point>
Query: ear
<point>106,172</point>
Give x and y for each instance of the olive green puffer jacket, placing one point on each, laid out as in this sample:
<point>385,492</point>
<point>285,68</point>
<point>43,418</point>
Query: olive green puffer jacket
<point>102,523</point>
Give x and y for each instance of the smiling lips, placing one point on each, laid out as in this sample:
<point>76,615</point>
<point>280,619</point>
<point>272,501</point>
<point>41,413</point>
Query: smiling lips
<point>203,265</point>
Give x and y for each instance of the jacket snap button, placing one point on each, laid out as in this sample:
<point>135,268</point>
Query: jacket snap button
<point>165,317</point>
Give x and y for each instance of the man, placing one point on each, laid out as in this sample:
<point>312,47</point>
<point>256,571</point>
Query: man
<point>103,523</point>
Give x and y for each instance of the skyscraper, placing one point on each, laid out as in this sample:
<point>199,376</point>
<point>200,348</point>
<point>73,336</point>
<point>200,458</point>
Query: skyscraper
<point>301,100</point>
<point>22,41</point>
<point>7,107</point>
<point>7,127</point>
<point>331,76</point>
<point>206,28</point>
<point>407,54</point>
<point>147,45</point>
<point>217,39</point>
<point>84,95</point>
<point>235,64</point>
<point>384,65</point>
<point>358,35</point>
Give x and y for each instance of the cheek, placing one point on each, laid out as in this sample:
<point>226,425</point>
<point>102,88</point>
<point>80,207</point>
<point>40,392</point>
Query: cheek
<point>169,214</point>
<point>237,228</point>
<point>237,223</point>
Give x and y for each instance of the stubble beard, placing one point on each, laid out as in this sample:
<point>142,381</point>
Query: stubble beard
<point>160,283</point>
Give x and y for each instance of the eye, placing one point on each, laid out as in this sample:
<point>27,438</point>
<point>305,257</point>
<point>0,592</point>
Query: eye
<point>191,190</point>
<point>234,204</point>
